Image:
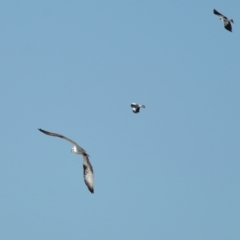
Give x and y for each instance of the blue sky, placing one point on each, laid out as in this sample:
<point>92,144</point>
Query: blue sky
<point>74,67</point>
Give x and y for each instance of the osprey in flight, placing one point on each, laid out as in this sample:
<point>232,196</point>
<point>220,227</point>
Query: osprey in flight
<point>136,107</point>
<point>226,21</point>
<point>87,167</point>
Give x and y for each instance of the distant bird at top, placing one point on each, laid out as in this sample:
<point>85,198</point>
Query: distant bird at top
<point>87,167</point>
<point>226,21</point>
<point>136,107</point>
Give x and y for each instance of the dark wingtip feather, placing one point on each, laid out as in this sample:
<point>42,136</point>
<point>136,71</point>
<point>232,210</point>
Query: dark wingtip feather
<point>216,12</point>
<point>43,131</point>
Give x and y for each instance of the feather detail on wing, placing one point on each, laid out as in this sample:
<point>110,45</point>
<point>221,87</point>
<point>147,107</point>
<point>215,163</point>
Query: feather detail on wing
<point>88,173</point>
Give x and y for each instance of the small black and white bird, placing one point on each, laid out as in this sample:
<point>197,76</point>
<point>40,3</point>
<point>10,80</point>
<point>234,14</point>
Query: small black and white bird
<point>87,167</point>
<point>136,107</point>
<point>226,21</point>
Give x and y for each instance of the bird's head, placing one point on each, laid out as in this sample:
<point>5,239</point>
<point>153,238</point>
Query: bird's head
<point>74,149</point>
<point>232,21</point>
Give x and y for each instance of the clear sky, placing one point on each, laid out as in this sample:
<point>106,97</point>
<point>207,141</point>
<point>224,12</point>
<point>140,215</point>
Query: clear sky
<point>74,67</point>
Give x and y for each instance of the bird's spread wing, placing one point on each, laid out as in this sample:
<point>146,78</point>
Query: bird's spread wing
<point>88,173</point>
<point>228,25</point>
<point>136,110</point>
<point>218,13</point>
<point>134,105</point>
<point>61,136</point>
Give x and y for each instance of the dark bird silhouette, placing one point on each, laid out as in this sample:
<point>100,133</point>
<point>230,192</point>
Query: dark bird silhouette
<point>226,21</point>
<point>136,107</point>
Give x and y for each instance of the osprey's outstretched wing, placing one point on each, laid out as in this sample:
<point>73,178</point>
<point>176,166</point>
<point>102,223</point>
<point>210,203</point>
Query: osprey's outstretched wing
<point>63,137</point>
<point>88,173</point>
